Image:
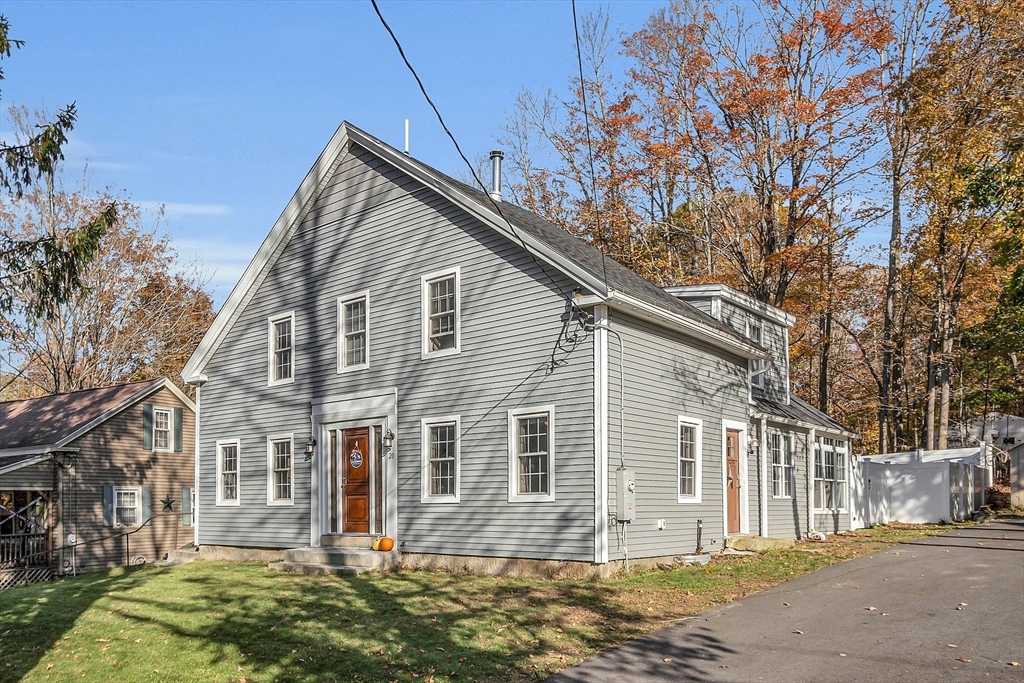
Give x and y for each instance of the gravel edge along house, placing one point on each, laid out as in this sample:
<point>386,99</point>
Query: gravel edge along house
<point>409,356</point>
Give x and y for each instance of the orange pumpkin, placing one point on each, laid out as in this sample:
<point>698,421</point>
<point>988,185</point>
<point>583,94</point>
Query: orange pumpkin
<point>386,544</point>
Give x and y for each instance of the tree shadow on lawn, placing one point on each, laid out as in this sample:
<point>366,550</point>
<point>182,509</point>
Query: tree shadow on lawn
<point>225,621</point>
<point>33,618</point>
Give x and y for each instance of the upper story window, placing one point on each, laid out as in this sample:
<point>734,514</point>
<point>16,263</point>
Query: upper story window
<point>531,454</point>
<point>689,475</point>
<point>440,295</point>
<point>161,429</point>
<point>755,333</point>
<point>783,480</point>
<point>282,349</point>
<point>354,332</point>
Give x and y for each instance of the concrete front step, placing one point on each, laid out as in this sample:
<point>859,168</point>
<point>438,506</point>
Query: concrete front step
<point>337,560</point>
<point>347,541</point>
<point>307,568</point>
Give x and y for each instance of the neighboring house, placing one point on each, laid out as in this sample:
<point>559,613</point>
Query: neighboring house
<point>1017,476</point>
<point>451,366</point>
<point>97,464</point>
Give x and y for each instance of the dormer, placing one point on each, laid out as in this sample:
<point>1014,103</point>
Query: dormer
<point>762,323</point>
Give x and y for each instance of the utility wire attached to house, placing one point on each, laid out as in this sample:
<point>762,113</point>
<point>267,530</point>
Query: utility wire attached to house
<point>590,145</point>
<point>497,207</point>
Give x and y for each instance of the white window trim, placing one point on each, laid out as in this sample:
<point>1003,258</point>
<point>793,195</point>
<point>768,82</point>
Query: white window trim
<point>271,381</point>
<point>513,471</point>
<point>698,426</point>
<point>815,449</point>
<point>278,502</point>
<point>756,380</point>
<point>792,468</point>
<point>170,429</point>
<point>425,425</point>
<point>425,351</point>
<point>347,299</point>
<point>138,506</point>
<point>238,473</point>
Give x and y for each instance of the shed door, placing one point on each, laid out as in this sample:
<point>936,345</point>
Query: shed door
<point>732,478</point>
<point>355,482</point>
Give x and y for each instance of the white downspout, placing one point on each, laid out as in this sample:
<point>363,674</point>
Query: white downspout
<point>811,435</point>
<point>765,478</point>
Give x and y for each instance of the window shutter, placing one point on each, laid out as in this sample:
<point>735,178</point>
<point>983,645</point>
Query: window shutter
<point>108,505</point>
<point>147,504</point>
<point>178,436</point>
<point>147,426</point>
<point>186,506</point>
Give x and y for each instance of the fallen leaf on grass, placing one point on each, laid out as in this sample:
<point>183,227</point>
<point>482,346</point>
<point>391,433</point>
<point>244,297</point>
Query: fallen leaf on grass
<point>49,666</point>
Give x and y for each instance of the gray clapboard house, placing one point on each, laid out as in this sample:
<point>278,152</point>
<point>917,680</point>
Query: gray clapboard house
<point>411,357</point>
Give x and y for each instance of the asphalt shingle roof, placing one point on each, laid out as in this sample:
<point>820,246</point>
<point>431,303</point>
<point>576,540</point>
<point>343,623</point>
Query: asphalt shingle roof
<point>48,420</point>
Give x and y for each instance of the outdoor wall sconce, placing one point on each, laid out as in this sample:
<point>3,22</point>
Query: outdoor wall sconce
<point>388,442</point>
<point>310,448</point>
<point>752,446</point>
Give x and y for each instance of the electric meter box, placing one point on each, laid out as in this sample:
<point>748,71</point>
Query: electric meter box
<point>625,495</point>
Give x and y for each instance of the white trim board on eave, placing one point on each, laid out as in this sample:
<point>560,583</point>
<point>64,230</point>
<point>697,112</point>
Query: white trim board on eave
<point>304,198</point>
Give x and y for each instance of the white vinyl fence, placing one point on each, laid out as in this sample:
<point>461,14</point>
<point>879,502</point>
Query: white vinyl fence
<point>918,488</point>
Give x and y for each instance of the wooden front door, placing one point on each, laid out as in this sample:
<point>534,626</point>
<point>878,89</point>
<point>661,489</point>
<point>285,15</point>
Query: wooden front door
<point>355,480</point>
<point>732,479</point>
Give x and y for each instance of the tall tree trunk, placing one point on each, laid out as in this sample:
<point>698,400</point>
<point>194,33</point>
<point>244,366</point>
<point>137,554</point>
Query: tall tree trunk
<point>825,328</point>
<point>929,416</point>
<point>893,293</point>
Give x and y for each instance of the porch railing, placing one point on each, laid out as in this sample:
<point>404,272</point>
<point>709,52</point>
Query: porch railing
<point>24,550</point>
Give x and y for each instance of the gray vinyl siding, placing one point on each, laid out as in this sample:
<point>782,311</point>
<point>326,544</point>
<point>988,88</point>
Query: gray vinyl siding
<point>773,339</point>
<point>36,477</point>
<point>667,376</point>
<point>703,303</point>
<point>832,522</point>
<point>373,228</point>
<point>787,517</point>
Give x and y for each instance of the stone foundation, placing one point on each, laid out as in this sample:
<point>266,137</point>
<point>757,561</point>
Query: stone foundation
<point>546,569</point>
<point>232,554</point>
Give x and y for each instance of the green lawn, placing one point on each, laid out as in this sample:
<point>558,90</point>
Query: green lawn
<point>216,621</point>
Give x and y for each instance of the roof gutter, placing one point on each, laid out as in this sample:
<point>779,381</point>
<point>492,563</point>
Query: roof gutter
<point>43,453</point>
<point>630,304</point>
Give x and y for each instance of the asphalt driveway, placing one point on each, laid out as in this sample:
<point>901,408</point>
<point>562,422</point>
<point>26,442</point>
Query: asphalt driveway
<point>911,613</point>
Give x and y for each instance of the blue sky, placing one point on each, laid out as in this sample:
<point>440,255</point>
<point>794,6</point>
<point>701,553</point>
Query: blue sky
<point>217,110</point>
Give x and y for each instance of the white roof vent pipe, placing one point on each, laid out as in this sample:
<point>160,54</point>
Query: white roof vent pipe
<point>495,192</point>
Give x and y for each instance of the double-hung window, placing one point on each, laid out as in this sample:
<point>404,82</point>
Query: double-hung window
<point>689,461</point>
<point>279,469</point>
<point>781,447</point>
<point>755,333</point>
<point>440,460</point>
<point>829,474</point>
<point>126,507</point>
<point>531,454</point>
<point>227,473</point>
<point>354,332</point>
<point>161,429</point>
<point>281,355</point>
<point>441,313</point>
